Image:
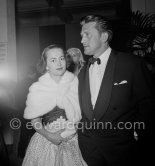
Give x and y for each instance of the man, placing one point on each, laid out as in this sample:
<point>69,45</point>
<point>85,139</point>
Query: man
<point>115,94</point>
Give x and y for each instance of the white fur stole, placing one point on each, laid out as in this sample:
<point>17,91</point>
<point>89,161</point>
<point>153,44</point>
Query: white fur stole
<point>45,94</point>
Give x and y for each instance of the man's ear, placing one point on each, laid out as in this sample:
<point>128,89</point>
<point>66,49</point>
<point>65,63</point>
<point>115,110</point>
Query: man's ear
<point>104,36</point>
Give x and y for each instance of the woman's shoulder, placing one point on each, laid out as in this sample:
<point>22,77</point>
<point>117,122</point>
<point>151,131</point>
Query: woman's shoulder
<point>69,76</point>
<point>39,83</point>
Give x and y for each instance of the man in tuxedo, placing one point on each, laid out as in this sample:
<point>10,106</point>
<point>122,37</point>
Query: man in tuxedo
<point>116,99</point>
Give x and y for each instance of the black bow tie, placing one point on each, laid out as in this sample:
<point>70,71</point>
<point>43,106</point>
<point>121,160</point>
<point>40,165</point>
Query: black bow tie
<point>92,60</point>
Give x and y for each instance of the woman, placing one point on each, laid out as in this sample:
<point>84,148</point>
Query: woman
<point>53,106</point>
<point>75,60</point>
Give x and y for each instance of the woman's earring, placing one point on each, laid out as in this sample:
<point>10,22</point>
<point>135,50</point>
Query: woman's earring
<point>47,69</point>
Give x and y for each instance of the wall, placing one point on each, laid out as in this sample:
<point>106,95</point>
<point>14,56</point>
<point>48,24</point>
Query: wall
<point>73,38</point>
<point>146,6</point>
<point>28,50</point>
<point>7,66</point>
<point>7,40</point>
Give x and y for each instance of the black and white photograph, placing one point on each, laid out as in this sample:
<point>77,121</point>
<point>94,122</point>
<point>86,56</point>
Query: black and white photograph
<point>77,82</point>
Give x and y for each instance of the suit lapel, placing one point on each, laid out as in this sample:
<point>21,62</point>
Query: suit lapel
<point>84,93</point>
<point>105,89</point>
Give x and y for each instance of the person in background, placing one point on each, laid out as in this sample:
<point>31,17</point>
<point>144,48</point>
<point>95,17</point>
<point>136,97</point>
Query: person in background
<point>53,107</point>
<point>7,113</point>
<point>75,60</point>
<point>22,90</point>
<point>4,156</point>
<point>116,96</point>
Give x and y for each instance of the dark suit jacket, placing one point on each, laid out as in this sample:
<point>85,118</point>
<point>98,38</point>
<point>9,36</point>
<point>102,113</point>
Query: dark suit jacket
<point>125,96</point>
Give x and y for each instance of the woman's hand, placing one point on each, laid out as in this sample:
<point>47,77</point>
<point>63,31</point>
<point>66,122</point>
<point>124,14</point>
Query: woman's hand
<point>56,138</point>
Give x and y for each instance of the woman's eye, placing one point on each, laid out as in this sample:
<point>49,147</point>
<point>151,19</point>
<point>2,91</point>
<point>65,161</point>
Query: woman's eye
<point>53,60</point>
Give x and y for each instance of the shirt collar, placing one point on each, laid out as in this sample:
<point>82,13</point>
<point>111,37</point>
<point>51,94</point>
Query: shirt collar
<point>105,54</point>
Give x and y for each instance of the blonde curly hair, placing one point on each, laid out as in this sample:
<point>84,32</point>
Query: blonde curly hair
<point>76,51</point>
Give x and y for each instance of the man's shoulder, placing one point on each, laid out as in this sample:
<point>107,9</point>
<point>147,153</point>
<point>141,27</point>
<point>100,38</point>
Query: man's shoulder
<point>83,70</point>
<point>82,75</point>
<point>125,57</point>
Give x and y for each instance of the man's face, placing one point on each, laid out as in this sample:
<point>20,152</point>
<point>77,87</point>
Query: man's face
<point>91,39</point>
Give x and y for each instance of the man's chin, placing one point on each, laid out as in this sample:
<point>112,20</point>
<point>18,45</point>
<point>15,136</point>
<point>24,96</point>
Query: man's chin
<point>86,52</point>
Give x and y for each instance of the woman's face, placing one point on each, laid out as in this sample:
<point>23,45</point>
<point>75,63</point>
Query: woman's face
<point>56,62</point>
<point>75,58</point>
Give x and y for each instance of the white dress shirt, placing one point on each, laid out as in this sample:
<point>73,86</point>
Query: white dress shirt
<point>96,73</point>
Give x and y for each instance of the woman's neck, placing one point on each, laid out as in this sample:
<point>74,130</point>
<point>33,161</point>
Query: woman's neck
<point>56,78</point>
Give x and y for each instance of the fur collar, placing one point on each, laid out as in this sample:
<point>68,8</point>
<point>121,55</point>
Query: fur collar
<point>45,94</point>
